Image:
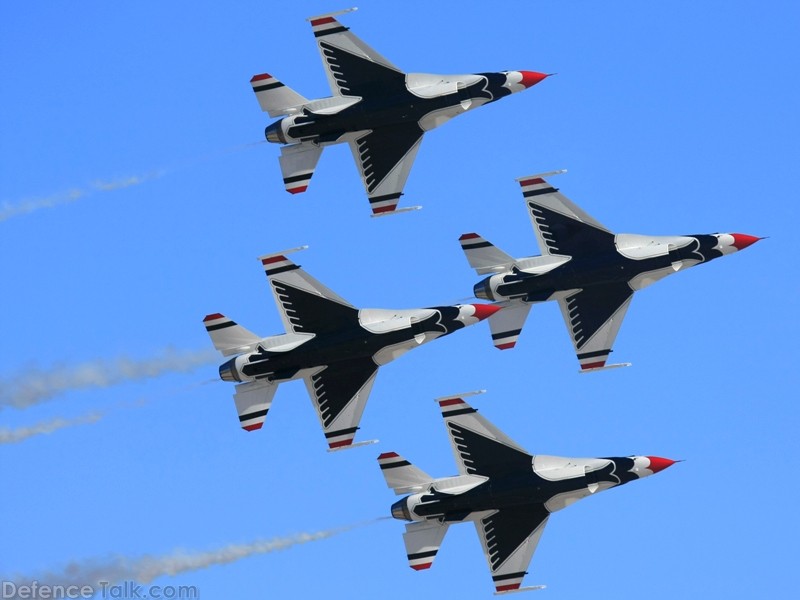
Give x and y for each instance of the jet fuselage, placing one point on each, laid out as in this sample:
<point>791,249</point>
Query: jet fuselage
<point>552,488</point>
<point>346,342</point>
<point>391,104</point>
<point>585,271</point>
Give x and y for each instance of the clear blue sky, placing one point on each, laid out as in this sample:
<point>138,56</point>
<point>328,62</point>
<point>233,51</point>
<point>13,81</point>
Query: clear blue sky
<point>671,117</point>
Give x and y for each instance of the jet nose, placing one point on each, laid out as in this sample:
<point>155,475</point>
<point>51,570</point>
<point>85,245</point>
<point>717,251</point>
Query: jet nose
<point>659,464</point>
<point>516,81</point>
<point>531,78</point>
<point>742,240</point>
<point>483,311</point>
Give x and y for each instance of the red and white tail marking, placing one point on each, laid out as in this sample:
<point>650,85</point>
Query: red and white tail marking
<point>419,564</point>
<point>299,183</point>
<point>401,475</point>
<point>338,440</point>
<point>598,362</point>
<point>389,460</point>
<point>217,321</point>
<point>278,263</point>
<point>227,336</point>
<point>534,184</point>
<point>324,24</point>
<point>253,401</point>
<point>264,79</point>
<point>274,97</point>
<point>508,585</point>
<point>455,405</point>
<point>384,204</point>
<point>531,184</point>
<point>505,341</point>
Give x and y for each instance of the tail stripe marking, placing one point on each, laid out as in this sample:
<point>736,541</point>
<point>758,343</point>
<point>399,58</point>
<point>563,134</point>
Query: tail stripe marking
<point>253,415</point>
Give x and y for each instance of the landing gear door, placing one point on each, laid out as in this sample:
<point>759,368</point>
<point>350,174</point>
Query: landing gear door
<point>677,263</point>
<point>463,96</point>
<point>591,479</point>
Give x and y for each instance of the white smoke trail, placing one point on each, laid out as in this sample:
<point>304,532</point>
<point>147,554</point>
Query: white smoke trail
<point>148,568</point>
<point>35,385</point>
<point>9,210</point>
<point>13,436</point>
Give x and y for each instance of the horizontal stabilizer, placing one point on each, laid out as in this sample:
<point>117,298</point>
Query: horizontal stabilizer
<point>228,337</point>
<point>253,400</point>
<point>422,541</point>
<point>274,97</point>
<point>483,256</point>
<point>298,162</point>
<point>506,325</point>
<point>401,475</point>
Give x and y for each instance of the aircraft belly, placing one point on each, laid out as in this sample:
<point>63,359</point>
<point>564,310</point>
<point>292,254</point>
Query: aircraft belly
<point>388,353</point>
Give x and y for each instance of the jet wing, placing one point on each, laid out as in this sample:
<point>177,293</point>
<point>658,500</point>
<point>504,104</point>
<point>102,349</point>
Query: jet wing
<point>352,67</point>
<point>561,227</point>
<point>593,317</point>
<point>340,392</point>
<point>509,538</point>
<point>384,157</point>
<point>479,447</point>
<point>305,305</point>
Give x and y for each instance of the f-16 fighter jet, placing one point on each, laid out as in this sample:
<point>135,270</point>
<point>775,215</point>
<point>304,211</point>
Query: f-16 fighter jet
<point>591,272</point>
<point>505,492</point>
<point>333,346</point>
<point>380,111</point>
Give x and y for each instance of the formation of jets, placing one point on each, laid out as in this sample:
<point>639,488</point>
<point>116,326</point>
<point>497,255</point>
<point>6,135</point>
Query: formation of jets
<point>382,113</point>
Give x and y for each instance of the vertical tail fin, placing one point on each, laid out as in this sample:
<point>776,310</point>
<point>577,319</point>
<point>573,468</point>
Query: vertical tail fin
<point>401,475</point>
<point>274,97</point>
<point>483,256</point>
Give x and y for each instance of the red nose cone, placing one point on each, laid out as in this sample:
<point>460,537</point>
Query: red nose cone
<point>659,464</point>
<point>742,240</point>
<point>530,78</point>
<point>484,311</point>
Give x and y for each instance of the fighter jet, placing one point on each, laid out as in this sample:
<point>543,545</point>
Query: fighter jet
<point>591,272</point>
<point>377,109</point>
<point>333,346</point>
<point>507,493</point>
